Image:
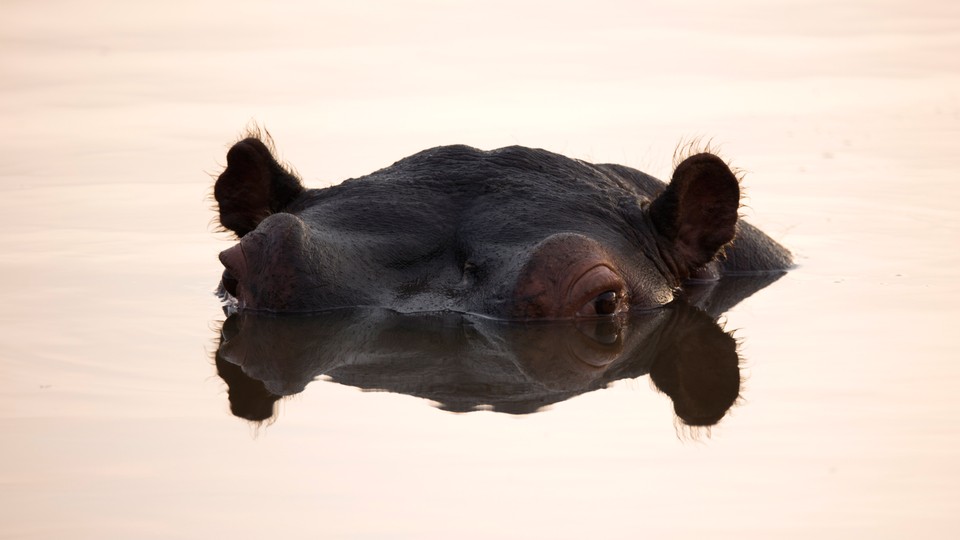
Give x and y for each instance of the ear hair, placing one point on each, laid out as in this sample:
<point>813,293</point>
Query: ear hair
<point>697,213</point>
<point>253,185</point>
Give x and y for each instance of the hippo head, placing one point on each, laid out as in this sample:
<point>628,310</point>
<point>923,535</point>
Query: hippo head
<point>514,233</point>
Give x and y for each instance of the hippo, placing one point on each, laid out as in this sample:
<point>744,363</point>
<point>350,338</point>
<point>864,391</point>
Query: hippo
<point>514,234</point>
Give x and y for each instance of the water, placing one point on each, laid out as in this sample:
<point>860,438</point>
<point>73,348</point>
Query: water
<point>845,117</point>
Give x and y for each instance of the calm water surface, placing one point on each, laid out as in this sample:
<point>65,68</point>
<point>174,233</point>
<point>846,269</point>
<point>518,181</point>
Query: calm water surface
<point>845,117</point>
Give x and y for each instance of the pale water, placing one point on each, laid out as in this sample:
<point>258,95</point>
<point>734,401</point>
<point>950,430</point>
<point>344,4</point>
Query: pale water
<point>844,115</point>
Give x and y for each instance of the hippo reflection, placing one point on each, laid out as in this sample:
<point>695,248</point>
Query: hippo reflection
<point>465,363</point>
<point>514,233</point>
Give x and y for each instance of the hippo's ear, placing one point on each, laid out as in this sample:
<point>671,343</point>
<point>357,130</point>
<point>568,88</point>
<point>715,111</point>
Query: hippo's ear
<point>697,213</point>
<point>252,187</point>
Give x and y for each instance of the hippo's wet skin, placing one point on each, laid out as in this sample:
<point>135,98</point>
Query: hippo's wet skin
<point>514,233</point>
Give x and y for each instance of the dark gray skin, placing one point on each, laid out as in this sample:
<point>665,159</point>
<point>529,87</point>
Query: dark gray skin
<point>514,233</point>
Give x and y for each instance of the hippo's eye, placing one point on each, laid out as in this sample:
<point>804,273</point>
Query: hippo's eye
<point>600,292</point>
<point>602,305</point>
<point>606,303</point>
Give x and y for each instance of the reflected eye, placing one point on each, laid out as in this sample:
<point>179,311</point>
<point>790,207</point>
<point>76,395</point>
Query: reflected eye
<point>606,303</point>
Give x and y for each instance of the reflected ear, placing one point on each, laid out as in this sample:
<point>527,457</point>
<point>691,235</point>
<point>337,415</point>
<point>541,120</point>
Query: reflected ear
<point>698,366</point>
<point>697,213</point>
<point>252,187</point>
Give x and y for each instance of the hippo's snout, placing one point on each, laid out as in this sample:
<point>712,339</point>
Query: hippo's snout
<point>266,267</point>
<point>235,268</point>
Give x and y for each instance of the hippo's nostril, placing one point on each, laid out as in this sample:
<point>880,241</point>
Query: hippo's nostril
<point>234,260</point>
<point>229,283</point>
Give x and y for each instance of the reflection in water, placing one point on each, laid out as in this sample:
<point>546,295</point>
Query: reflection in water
<point>467,363</point>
